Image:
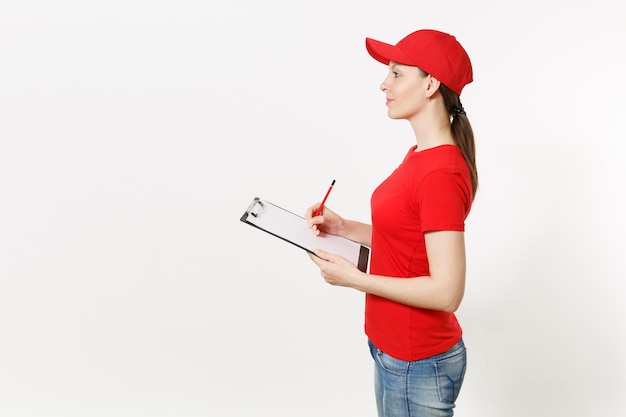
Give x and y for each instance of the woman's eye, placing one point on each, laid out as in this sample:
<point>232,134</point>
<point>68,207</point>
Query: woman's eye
<point>396,74</point>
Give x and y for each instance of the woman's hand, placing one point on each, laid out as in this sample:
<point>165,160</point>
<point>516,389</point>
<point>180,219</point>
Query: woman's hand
<point>327,222</point>
<point>336,270</point>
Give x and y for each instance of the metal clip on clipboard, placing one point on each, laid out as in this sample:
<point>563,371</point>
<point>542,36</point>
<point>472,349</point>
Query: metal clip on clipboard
<point>255,207</point>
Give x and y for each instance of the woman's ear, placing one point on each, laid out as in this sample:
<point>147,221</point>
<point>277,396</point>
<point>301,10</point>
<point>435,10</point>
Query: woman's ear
<point>433,86</point>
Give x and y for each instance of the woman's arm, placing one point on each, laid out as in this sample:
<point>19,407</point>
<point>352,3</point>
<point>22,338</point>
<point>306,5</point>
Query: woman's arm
<point>357,231</point>
<point>442,290</point>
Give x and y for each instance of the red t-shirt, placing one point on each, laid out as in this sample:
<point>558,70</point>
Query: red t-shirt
<point>431,190</point>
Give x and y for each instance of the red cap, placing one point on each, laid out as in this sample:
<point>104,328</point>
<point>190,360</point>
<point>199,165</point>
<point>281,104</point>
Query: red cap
<point>437,53</point>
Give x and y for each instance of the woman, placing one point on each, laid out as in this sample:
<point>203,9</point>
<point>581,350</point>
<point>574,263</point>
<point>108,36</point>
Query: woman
<point>416,278</point>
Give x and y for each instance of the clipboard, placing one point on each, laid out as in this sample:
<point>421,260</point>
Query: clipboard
<point>294,229</point>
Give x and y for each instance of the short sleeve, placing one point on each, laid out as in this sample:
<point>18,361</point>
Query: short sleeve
<point>444,199</point>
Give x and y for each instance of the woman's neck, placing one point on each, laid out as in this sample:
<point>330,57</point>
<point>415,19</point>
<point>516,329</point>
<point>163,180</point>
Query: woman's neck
<point>431,126</point>
<point>432,136</point>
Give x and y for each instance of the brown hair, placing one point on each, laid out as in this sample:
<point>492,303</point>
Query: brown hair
<point>461,131</point>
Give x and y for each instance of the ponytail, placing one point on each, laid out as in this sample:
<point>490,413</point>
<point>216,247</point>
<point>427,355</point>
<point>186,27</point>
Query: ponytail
<point>461,131</point>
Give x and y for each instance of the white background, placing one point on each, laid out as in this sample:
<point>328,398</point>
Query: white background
<point>133,135</point>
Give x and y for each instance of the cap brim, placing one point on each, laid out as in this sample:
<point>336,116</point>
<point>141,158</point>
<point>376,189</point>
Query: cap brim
<point>384,52</point>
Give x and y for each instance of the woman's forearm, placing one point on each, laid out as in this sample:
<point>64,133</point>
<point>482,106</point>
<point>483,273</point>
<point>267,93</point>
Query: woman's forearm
<point>441,290</point>
<point>358,232</point>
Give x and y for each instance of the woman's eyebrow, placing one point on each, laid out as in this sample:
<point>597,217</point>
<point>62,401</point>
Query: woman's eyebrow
<point>394,65</point>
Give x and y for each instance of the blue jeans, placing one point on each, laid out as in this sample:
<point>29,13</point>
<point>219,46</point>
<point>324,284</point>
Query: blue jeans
<point>427,387</point>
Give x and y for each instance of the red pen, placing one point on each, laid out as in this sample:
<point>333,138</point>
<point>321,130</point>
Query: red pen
<point>321,207</point>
